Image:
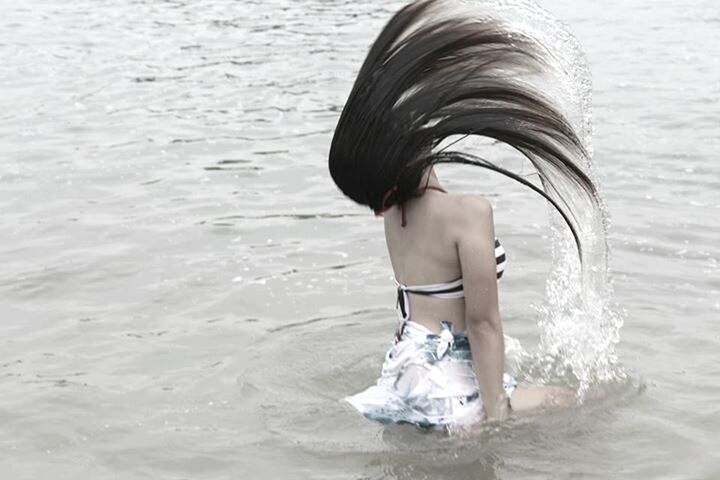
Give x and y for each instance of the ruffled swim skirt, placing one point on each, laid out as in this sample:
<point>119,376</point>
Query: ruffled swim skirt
<point>427,380</point>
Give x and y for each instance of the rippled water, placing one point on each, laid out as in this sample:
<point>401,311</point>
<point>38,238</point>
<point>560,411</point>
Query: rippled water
<point>184,293</point>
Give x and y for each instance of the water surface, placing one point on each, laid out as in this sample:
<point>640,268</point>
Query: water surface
<point>185,294</point>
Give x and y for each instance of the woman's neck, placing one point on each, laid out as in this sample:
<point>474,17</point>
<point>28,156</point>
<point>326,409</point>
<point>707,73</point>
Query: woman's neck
<point>430,180</point>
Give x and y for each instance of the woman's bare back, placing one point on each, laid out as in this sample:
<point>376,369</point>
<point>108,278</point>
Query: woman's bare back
<point>425,251</point>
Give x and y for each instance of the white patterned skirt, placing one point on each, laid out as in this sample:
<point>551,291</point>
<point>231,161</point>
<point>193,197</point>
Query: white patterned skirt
<point>427,380</point>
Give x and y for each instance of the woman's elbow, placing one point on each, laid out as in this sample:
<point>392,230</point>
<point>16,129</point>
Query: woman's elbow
<point>484,324</point>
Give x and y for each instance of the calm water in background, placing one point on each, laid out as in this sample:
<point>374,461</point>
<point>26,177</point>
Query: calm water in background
<point>184,293</point>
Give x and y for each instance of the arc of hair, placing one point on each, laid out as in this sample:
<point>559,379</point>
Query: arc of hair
<point>463,158</point>
<point>455,141</point>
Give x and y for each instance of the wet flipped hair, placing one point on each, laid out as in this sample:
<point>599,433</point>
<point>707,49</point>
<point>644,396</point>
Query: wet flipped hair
<point>428,77</point>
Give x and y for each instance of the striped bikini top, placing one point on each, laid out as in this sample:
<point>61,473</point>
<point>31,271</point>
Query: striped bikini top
<point>452,289</point>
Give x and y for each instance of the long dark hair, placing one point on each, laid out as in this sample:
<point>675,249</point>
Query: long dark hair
<point>431,75</point>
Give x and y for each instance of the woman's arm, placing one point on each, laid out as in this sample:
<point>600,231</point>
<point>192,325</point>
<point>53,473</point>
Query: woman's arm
<point>476,249</point>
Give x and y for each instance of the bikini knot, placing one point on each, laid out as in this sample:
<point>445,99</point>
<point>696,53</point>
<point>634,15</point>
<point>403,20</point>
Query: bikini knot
<point>446,341</point>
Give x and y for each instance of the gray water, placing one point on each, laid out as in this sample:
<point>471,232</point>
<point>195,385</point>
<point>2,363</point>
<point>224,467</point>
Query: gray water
<point>185,294</point>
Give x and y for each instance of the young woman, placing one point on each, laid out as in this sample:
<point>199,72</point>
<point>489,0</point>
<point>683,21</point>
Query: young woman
<point>435,72</point>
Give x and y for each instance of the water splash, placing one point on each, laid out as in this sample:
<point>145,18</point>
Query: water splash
<point>579,328</point>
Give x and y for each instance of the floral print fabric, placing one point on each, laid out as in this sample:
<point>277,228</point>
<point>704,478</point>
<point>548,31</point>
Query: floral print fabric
<point>427,380</point>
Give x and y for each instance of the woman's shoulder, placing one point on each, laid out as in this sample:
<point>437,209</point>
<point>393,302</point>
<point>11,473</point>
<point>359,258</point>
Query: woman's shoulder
<point>466,215</point>
<point>470,207</point>
<point>471,221</point>
<point>473,202</point>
